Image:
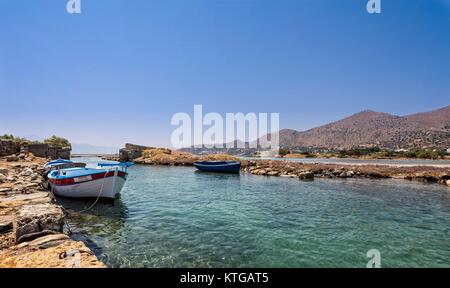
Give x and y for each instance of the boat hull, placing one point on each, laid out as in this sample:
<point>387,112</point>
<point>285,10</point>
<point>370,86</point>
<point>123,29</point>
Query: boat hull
<point>221,167</point>
<point>104,188</point>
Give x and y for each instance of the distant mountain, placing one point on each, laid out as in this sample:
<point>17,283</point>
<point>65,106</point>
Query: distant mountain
<point>91,149</point>
<point>370,128</point>
<point>365,129</point>
<point>435,119</point>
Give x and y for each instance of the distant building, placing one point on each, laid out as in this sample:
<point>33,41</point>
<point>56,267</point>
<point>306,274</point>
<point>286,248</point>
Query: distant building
<point>268,153</point>
<point>401,150</point>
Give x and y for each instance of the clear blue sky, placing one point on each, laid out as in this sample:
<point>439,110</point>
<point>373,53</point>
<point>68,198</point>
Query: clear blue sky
<point>120,70</point>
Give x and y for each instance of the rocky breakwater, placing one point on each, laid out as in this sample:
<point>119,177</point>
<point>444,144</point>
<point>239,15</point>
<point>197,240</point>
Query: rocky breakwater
<point>163,156</point>
<point>308,171</point>
<point>31,223</point>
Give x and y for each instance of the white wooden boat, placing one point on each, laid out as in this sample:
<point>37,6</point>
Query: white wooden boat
<point>104,182</point>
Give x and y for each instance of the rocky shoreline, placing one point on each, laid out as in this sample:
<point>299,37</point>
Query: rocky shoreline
<point>308,171</point>
<point>304,171</point>
<point>32,225</point>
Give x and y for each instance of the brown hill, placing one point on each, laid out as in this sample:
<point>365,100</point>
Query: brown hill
<point>369,128</point>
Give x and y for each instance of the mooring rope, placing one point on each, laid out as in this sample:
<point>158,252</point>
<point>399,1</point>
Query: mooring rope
<point>84,210</point>
<point>56,200</point>
<point>99,194</point>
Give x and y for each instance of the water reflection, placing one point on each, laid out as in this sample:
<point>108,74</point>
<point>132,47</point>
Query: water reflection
<point>104,218</point>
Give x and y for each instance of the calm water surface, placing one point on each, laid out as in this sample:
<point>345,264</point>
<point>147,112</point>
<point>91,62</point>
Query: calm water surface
<point>177,217</point>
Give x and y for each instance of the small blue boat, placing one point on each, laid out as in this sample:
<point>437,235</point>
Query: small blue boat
<point>56,163</point>
<point>219,166</point>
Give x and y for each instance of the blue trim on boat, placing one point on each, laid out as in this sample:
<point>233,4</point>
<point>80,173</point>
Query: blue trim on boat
<point>75,172</point>
<point>126,164</point>
<point>56,162</point>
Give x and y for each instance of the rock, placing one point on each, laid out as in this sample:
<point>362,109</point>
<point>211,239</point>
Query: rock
<point>26,172</point>
<point>50,252</point>
<point>18,187</point>
<point>288,176</point>
<point>2,178</point>
<point>32,186</point>
<point>4,190</point>
<point>24,199</point>
<point>48,241</point>
<point>448,182</point>
<point>374,174</point>
<point>12,158</point>
<point>6,223</point>
<point>37,220</point>
<point>347,174</point>
<point>426,178</point>
<point>336,172</point>
<point>306,176</point>
<point>273,173</point>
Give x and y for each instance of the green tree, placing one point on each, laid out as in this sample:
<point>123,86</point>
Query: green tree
<point>19,140</point>
<point>57,141</point>
<point>7,137</point>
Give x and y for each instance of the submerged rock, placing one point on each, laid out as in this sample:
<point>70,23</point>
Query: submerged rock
<point>306,176</point>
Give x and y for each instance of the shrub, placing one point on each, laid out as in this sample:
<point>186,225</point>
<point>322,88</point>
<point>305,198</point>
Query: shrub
<point>57,142</point>
<point>18,140</point>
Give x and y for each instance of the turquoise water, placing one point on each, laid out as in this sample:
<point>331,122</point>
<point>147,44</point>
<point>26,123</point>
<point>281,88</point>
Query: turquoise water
<point>177,217</point>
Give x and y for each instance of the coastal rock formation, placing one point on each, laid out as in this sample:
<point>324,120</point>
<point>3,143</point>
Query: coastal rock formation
<point>13,150</point>
<point>53,251</point>
<point>307,171</point>
<point>31,224</point>
<point>164,156</point>
<point>47,151</point>
<point>34,221</point>
<point>8,147</point>
<point>131,152</point>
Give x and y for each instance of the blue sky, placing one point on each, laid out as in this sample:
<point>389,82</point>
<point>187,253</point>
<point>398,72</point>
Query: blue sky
<point>117,72</point>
